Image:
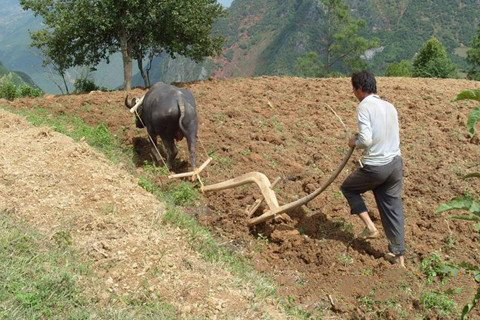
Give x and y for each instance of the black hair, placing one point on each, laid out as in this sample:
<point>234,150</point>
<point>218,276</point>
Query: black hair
<point>364,81</point>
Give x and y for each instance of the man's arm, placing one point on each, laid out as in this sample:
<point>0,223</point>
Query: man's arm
<point>364,138</point>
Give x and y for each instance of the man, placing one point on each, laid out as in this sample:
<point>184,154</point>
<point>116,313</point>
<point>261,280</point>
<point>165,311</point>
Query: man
<point>381,166</point>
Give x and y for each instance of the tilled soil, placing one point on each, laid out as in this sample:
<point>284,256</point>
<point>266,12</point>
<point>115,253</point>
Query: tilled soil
<point>284,127</point>
<point>66,190</point>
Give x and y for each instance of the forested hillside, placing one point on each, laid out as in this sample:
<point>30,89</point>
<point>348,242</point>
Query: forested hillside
<point>266,37</point>
<point>16,77</point>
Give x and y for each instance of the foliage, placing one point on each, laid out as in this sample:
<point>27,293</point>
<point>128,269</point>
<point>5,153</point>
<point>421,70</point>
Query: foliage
<point>403,68</point>
<point>468,203</point>
<point>309,65</point>
<point>183,194</point>
<point>27,91</point>
<point>84,85</point>
<point>473,58</point>
<point>341,44</point>
<point>10,91</point>
<point>434,267</point>
<point>79,33</point>
<point>439,302</point>
<point>433,62</point>
<point>474,116</point>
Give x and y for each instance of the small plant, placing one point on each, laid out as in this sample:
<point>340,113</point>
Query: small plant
<point>474,115</point>
<point>27,91</point>
<point>434,267</point>
<point>85,86</point>
<point>345,259</point>
<point>183,194</point>
<point>449,242</point>
<point>438,301</point>
<point>8,90</point>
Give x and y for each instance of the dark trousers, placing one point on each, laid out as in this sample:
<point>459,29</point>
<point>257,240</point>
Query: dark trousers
<point>386,182</point>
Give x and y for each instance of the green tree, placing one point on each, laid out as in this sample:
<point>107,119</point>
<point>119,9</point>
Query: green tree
<point>309,65</point>
<point>400,69</point>
<point>433,62</point>
<point>341,45</point>
<point>87,31</point>
<point>473,58</point>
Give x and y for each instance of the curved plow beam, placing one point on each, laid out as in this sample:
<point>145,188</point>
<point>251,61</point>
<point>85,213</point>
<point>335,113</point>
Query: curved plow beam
<point>252,177</point>
<point>300,202</point>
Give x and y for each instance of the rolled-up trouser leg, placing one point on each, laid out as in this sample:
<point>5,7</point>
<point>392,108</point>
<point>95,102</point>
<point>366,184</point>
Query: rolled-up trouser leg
<point>358,182</point>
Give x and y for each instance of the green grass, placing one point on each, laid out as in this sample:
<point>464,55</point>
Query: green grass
<point>40,279</point>
<point>98,137</point>
<point>439,302</point>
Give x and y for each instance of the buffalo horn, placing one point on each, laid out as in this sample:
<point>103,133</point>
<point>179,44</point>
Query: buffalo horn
<point>138,104</point>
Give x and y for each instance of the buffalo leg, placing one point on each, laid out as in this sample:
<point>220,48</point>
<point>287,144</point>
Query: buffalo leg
<point>171,149</point>
<point>154,149</point>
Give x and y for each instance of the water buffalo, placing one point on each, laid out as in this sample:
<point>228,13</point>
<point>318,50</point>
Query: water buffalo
<point>168,112</point>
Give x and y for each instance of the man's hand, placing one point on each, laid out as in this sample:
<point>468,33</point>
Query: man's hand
<point>353,139</point>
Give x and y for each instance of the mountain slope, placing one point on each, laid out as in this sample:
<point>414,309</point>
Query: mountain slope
<point>270,35</point>
<point>17,77</point>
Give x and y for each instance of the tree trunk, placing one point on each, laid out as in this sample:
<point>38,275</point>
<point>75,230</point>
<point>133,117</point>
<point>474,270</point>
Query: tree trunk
<point>64,82</point>
<point>148,69</point>
<point>142,72</point>
<point>127,63</point>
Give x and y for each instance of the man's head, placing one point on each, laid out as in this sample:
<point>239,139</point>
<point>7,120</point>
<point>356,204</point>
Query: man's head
<point>363,84</point>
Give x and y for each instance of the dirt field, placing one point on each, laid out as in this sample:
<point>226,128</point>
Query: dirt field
<point>282,127</point>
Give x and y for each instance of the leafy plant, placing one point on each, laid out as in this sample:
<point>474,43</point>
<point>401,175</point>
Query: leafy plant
<point>434,267</point>
<point>183,194</point>
<point>474,115</point>
<point>27,91</point>
<point>468,203</point>
<point>85,85</point>
<point>8,90</point>
<point>439,302</point>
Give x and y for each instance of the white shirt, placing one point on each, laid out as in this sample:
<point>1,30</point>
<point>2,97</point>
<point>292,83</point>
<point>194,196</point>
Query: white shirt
<point>378,129</point>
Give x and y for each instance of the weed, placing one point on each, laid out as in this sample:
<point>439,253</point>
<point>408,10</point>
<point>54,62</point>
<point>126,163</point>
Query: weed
<point>344,226</point>
<point>367,302</point>
<point>345,259</point>
<point>367,272</point>
<point>63,238</point>
<point>449,242</point>
<point>438,301</point>
<point>435,267</point>
<point>183,194</point>
<point>246,152</point>
<point>261,243</point>
<point>224,162</point>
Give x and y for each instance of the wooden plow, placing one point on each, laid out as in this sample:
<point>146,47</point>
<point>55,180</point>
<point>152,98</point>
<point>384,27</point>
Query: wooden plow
<point>268,194</point>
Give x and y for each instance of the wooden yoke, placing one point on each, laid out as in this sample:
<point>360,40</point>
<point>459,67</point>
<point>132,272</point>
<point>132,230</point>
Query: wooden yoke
<point>269,195</point>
